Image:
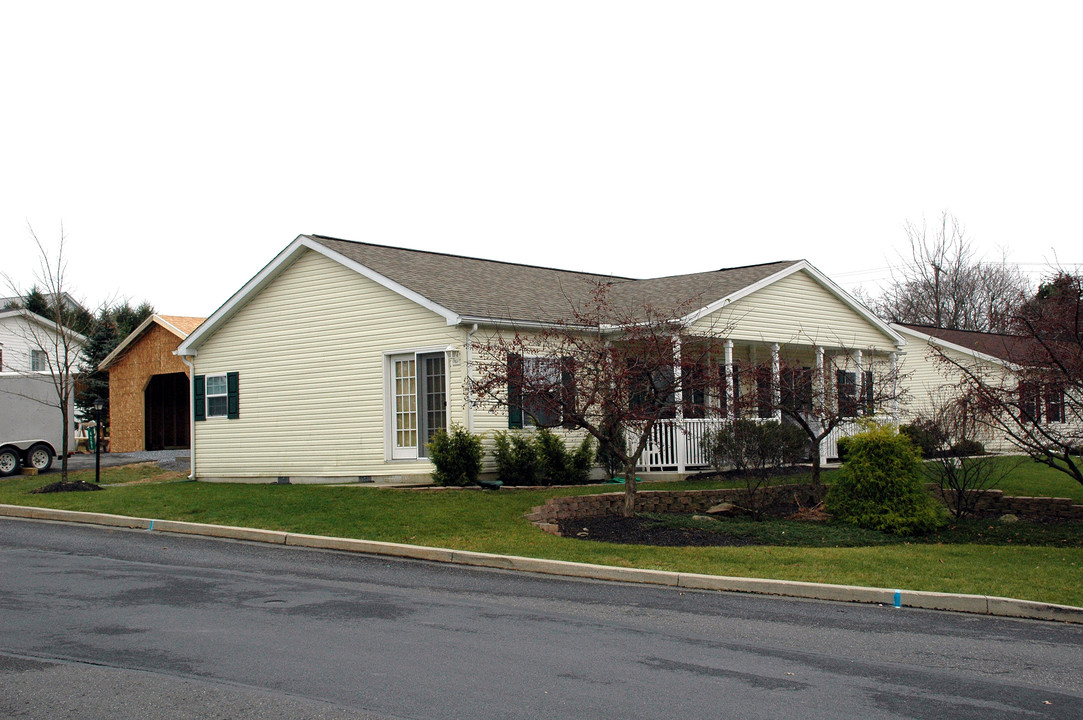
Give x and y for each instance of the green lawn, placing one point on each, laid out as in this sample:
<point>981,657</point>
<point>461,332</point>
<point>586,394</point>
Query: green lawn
<point>493,522</point>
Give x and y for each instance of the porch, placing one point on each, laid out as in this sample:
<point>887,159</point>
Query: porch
<point>678,445</point>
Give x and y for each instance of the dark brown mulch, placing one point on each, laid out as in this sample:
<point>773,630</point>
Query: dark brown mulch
<point>641,531</point>
<point>68,486</point>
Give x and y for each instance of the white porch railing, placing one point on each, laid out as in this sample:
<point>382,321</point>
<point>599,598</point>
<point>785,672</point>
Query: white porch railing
<point>677,445</point>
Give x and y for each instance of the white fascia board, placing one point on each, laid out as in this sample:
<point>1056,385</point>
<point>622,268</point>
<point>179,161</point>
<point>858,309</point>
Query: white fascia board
<point>134,335</point>
<point>228,309</point>
<point>933,340</point>
<point>283,260</point>
<point>819,277</point>
<point>125,343</point>
<point>452,318</point>
<point>525,324</point>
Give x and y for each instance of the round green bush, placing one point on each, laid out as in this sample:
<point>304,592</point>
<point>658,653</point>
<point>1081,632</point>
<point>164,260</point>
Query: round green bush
<point>456,457</point>
<point>881,486</point>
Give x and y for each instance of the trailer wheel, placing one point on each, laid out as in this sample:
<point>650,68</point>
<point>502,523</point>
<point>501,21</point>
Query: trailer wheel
<point>9,461</point>
<point>40,457</point>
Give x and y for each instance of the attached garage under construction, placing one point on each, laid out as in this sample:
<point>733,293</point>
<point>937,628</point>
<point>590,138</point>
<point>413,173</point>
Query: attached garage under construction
<point>149,387</point>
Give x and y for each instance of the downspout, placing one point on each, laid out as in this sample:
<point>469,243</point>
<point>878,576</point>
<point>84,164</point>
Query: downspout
<point>469,379</point>
<point>191,417</point>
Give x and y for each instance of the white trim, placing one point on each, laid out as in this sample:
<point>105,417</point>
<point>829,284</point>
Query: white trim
<point>933,340</point>
<point>816,275</point>
<point>279,264</point>
<point>135,334</point>
<point>43,321</point>
<point>207,396</point>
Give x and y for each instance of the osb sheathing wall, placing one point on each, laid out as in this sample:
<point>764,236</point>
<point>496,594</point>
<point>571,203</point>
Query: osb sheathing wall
<point>152,354</point>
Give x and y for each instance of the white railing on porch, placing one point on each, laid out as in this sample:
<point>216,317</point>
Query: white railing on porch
<point>677,445</point>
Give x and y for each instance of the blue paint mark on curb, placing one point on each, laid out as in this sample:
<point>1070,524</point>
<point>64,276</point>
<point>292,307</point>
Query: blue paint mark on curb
<point>151,525</point>
<point>898,599</point>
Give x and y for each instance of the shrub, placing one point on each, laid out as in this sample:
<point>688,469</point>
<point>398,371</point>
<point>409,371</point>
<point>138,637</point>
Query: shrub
<point>456,457</point>
<point>880,486</point>
<point>967,448</point>
<point>927,435</point>
<point>614,442</point>
<point>558,466</point>
<point>516,459</point>
<point>756,450</point>
<point>843,446</point>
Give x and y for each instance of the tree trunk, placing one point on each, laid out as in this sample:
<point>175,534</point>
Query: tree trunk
<point>816,462</point>
<point>629,490</point>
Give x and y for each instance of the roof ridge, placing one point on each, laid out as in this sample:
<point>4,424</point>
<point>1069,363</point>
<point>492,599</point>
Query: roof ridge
<point>471,257</point>
<point>916,326</point>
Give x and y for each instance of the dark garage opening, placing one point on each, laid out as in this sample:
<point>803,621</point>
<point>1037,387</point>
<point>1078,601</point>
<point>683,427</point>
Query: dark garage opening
<point>165,410</point>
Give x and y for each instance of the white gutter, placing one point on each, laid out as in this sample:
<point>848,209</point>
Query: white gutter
<point>191,416</point>
<point>469,379</point>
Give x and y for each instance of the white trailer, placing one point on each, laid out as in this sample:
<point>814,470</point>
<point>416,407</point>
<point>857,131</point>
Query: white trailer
<point>31,424</point>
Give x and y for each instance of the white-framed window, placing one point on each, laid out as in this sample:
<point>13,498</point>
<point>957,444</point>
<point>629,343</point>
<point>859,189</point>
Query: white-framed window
<point>217,396</point>
<point>39,361</point>
<point>417,402</point>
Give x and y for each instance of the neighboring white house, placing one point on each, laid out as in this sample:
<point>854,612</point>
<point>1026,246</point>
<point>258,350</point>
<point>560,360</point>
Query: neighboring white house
<point>340,359</point>
<point>31,424</point>
<point>932,375</point>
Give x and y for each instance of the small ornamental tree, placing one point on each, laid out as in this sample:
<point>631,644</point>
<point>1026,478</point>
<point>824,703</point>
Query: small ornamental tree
<point>608,364</point>
<point>1036,402</point>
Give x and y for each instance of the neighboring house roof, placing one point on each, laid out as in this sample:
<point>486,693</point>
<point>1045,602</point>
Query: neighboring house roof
<point>466,290</point>
<point>999,348</point>
<point>42,321</point>
<point>19,301</point>
<point>180,325</point>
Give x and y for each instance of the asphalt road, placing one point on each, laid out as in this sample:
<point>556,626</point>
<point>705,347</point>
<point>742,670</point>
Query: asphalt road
<point>122,624</point>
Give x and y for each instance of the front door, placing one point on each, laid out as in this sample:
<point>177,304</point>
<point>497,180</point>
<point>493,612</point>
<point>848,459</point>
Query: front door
<point>418,403</point>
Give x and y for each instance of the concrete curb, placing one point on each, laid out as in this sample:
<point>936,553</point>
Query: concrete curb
<point>976,604</point>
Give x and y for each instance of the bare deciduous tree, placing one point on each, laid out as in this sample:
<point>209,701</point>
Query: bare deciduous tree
<point>1037,401</point>
<point>944,284</point>
<point>606,366</point>
<point>58,343</point>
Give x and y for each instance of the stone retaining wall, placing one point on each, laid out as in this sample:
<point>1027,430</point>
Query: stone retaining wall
<point>548,516</point>
<point>995,502</point>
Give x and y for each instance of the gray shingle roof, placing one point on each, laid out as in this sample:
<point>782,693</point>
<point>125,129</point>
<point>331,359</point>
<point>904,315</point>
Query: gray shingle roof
<point>476,288</point>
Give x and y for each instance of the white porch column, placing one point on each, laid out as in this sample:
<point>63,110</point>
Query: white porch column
<point>819,385</point>
<point>895,388</point>
<point>859,384</point>
<point>730,412</point>
<point>678,399</point>
<point>776,382</point>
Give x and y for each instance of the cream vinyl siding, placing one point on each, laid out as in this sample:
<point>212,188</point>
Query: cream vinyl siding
<point>310,352</point>
<point>929,382</point>
<point>795,310</point>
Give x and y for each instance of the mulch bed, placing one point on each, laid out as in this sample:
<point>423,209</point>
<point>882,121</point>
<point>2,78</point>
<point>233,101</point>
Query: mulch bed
<point>68,486</point>
<point>641,531</point>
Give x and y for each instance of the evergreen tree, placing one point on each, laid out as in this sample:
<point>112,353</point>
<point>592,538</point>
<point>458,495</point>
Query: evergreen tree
<point>94,384</point>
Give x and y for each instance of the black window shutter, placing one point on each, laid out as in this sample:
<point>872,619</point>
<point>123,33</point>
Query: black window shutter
<point>199,397</point>
<point>567,389</point>
<point>515,390</point>
<point>870,393</point>
<point>233,401</point>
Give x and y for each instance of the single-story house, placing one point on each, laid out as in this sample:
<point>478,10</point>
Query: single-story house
<point>339,359</point>
<point>149,387</point>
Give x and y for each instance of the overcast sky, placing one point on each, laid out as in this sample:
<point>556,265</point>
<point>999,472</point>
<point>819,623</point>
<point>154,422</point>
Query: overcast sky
<point>183,145</point>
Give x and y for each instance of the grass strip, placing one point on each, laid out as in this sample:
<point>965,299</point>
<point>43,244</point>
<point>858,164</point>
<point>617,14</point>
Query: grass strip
<point>1023,566</point>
